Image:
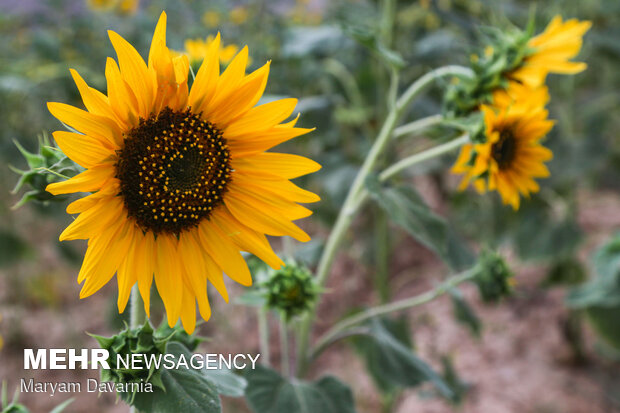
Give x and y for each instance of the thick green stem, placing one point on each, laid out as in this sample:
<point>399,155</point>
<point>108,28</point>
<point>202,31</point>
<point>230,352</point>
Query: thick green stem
<point>137,316</point>
<point>382,255</point>
<point>388,16</point>
<point>263,333</point>
<point>346,79</point>
<point>339,330</point>
<point>357,195</point>
<point>284,353</point>
<point>417,125</point>
<point>423,156</point>
<point>420,84</point>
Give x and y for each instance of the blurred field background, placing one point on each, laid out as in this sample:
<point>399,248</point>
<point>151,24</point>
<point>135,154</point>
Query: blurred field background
<point>534,354</point>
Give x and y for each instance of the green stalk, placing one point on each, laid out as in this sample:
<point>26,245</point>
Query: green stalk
<point>346,79</point>
<point>284,353</point>
<point>423,156</point>
<point>388,16</point>
<point>339,330</point>
<point>263,332</point>
<point>357,195</point>
<point>137,316</point>
<point>382,255</point>
<point>417,125</point>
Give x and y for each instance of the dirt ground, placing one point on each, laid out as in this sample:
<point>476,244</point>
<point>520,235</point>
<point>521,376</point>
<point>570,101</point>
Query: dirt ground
<point>521,364</point>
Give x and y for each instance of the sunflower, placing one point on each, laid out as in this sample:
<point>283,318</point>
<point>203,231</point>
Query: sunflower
<point>552,51</point>
<point>512,156</point>
<point>196,50</point>
<point>120,6</point>
<point>180,179</point>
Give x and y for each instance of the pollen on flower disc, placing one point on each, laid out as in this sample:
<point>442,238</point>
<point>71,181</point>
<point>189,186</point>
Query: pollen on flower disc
<point>173,171</point>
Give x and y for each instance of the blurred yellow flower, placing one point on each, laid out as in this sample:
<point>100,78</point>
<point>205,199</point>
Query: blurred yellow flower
<point>211,18</point>
<point>118,6</point>
<point>512,155</point>
<point>196,50</point>
<point>128,6</point>
<point>552,51</point>
<point>179,179</point>
<point>101,4</point>
<point>239,15</point>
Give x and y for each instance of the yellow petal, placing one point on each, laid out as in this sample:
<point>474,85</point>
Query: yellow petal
<point>98,127</point>
<point>188,310</point>
<point>246,238</point>
<point>224,253</point>
<point>91,222</point>
<point>135,73</point>
<point>88,181</point>
<point>168,277</point>
<point>262,219</point>
<point>144,267</point>
<point>106,260</point>
<point>261,118</point>
<point>126,275</point>
<point>207,77</point>
<point>82,149</point>
<point>281,164</point>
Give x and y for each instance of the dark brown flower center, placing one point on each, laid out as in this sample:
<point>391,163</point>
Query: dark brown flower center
<point>173,170</point>
<point>505,149</point>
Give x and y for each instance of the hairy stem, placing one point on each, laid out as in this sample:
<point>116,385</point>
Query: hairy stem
<point>263,332</point>
<point>284,353</point>
<point>339,330</point>
<point>357,195</point>
<point>137,316</point>
<point>417,125</point>
<point>423,156</point>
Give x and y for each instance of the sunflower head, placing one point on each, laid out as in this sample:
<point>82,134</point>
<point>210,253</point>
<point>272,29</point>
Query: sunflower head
<point>180,179</point>
<point>551,52</point>
<point>119,6</point>
<point>196,50</point>
<point>493,276</point>
<point>291,290</point>
<point>514,55</point>
<point>511,155</point>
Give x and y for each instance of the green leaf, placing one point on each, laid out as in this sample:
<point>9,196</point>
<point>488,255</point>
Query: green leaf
<point>269,392</point>
<point>464,313</point>
<point>227,382</point>
<point>252,298</point>
<point>554,238</point>
<point>605,323</point>
<point>392,360</point>
<point>458,386</point>
<point>372,41</point>
<point>61,407</point>
<point>399,328</point>
<point>565,271</point>
<point>301,42</point>
<point>187,390</point>
<point>15,408</point>
<point>606,259</point>
<point>604,289</point>
<point>405,207</point>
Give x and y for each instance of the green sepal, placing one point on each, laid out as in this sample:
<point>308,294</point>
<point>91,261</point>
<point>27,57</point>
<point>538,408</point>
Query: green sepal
<point>47,165</point>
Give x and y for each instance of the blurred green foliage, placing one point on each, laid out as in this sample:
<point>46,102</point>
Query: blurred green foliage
<point>337,59</point>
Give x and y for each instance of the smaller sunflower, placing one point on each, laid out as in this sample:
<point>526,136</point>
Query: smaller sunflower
<point>196,50</point>
<point>512,156</point>
<point>552,51</point>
